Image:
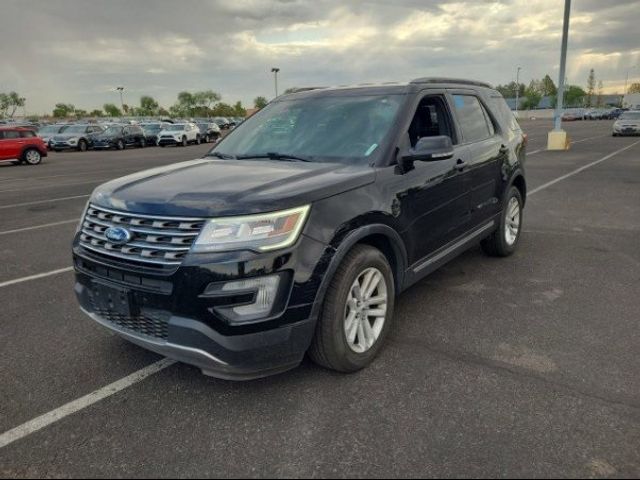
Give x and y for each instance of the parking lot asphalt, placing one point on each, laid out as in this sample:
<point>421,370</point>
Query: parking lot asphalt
<point>518,367</point>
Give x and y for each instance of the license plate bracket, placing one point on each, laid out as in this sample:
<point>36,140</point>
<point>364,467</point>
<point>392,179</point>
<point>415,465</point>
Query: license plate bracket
<point>116,300</point>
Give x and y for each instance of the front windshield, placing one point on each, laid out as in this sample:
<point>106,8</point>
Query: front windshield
<point>328,128</point>
<point>174,128</point>
<point>630,116</point>
<point>151,128</point>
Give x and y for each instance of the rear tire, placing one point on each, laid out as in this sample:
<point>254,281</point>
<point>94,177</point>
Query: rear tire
<point>504,241</point>
<point>32,157</point>
<point>346,308</point>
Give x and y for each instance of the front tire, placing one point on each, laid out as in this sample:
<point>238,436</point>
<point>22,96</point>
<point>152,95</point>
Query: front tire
<point>120,145</point>
<point>504,241</point>
<point>82,146</point>
<point>357,312</point>
<point>143,143</point>
<point>32,157</point>
<point>184,142</point>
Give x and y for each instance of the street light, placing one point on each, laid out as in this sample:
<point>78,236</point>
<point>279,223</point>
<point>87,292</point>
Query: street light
<point>518,89</point>
<point>558,139</point>
<point>121,90</point>
<point>626,82</point>
<point>275,71</point>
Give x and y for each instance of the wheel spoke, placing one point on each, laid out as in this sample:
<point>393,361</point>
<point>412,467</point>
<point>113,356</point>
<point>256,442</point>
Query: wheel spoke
<point>378,300</point>
<point>375,280</point>
<point>369,335</point>
<point>364,285</point>
<point>377,312</point>
<point>362,341</point>
<point>352,329</point>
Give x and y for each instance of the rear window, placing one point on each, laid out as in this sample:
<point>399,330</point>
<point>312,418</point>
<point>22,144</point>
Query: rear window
<point>9,134</point>
<point>503,112</point>
<point>474,122</point>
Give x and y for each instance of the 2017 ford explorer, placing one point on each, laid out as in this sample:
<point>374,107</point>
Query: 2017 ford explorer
<point>294,236</point>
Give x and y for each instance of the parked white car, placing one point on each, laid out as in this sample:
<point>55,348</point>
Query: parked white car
<point>179,134</point>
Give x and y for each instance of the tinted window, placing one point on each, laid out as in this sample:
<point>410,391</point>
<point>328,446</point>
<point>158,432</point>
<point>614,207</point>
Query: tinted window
<point>472,118</point>
<point>11,134</point>
<point>28,134</point>
<point>504,113</point>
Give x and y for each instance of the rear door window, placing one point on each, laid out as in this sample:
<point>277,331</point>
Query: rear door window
<point>28,134</point>
<point>474,122</point>
<point>11,134</point>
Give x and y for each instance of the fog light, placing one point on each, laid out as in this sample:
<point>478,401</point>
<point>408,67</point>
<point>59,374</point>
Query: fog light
<point>244,301</point>
<point>266,289</point>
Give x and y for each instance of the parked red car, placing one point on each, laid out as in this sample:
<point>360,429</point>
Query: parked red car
<point>21,145</point>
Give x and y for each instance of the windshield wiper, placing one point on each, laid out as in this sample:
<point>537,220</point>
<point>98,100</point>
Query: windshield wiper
<point>224,156</point>
<point>274,156</point>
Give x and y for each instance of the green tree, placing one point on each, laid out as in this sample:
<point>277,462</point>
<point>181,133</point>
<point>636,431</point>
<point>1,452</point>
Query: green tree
<point>96,113</point>
<point>591,87</point>
<point>80,113</point>
<point>63,110</point>
<point>634,88</point>
<point>574,96</point>
<point>111,110</point>
<point>260,102</point>
<point>204,99</point>
<point>509,90</point>
<point>533,95</point>
<point>223,110</point>
<point>548,87</point>
<point>4,104</point>
<point>239,110</point>
<point>148,106</point>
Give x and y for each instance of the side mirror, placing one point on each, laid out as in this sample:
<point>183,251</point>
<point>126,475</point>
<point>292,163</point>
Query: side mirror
<point>430,149</point>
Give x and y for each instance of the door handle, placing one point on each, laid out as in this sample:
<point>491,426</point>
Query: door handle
<point>504,149</point>
<point>461,164</point>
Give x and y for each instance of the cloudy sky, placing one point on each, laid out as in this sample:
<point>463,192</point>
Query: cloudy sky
<point>77,51</point>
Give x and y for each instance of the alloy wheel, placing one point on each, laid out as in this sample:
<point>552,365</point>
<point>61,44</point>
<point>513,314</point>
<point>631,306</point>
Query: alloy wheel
<point>512,222</point>
<point>365,310</point>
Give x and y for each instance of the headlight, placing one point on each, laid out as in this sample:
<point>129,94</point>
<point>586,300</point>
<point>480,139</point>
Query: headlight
<point>72,140</point>
<point>262,233</point>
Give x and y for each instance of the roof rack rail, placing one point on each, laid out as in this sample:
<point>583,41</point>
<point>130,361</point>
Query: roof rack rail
<point>451,80</point>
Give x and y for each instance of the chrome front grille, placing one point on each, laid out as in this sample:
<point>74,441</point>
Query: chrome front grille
<point>155,241</point>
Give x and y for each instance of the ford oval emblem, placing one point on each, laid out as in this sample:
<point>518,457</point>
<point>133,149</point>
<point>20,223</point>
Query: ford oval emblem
<point>118,235</point>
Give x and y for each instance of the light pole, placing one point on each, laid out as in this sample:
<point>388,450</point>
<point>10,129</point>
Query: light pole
<point>558,139</point>
<point>518,90</point>
<point>626,82</point>
<point>275,71</point>
<point>121,90</point>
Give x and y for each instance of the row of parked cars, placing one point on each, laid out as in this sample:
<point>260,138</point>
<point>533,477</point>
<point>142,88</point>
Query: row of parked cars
<point>83,137</point>
<point>29,144</point>
<point>573,114</point>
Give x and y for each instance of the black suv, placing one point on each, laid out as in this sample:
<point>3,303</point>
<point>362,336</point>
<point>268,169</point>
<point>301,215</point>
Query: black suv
<point>120,137</point>
<point>292,236</point>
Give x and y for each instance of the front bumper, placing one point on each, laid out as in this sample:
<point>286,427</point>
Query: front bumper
<point>63,146</point>
<point>627,130</point>
<point>102,145</point>
<point>174,320</point>
<point>168,141</point>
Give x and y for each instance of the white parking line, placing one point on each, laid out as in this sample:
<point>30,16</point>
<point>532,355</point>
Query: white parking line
<point>49,186</point>
<point>581,169</point>
<point>75,406</point>
<point>35,277</point>
<point>70,408</point>
<point>572,143</point>
<point>37,227</point>
<point>26,204</point>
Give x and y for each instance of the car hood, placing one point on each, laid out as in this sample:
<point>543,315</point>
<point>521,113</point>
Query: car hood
<point>66,136</point>
<point>213,188</point>
<point>173,133</point>
<point>634,123</point>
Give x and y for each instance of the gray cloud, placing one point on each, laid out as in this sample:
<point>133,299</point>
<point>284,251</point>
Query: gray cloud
<point>77,51</point>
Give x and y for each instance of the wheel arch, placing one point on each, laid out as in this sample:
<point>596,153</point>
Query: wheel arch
<point>379,236</point>
<point>518,181</point>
